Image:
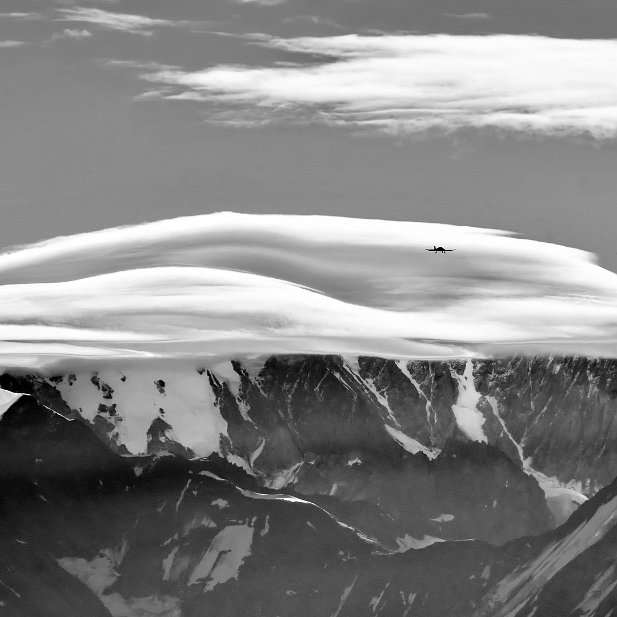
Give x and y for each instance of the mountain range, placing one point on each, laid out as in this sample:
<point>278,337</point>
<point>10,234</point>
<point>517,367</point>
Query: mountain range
<point>335,485</point>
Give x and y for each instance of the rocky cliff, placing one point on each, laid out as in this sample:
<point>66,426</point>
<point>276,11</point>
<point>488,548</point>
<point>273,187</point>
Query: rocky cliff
<point>407,452</point>
<point>88,531</point>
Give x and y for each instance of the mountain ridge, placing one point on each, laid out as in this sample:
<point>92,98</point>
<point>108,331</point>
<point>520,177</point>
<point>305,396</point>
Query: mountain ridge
<point>180,537</point>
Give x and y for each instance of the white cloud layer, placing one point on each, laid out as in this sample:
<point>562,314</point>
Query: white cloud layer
<point>229,284</point>
<point>124,22</point>
<point>412,83</point>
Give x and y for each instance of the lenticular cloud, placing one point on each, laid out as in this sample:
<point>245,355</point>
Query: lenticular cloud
<point>409,83</point>
<point>228,284</point>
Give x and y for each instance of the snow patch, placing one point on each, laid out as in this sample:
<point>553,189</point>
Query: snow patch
<point>168,563</point>
<point>443,518</point>
<point>186,486</point>
<point>561,500</point>
<point>257,453</point>
<point>283,477</point>
<point>376,600</point>
<point>468,418</point>
<point>238,461</point>
<point>100,573</point>
<point>344,596</point>
<point>266,527</point>
<point>97,574</point>
<point>226,371</point>
<point>196,522</point>
<point>224,557</point>
<point>7,399</point>
<point>187,401</point>
<point>408,542</point>
<point>410,444</point>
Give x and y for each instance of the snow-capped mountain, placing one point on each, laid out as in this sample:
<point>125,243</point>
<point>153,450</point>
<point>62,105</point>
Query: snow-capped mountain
<point>401,450</point>
<point>86,530</point>
<point>204,416</point>
<point>357,432</point>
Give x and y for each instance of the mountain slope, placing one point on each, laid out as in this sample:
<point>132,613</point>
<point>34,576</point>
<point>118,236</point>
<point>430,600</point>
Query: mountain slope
<point>346,429</point>
<point>160,535</point>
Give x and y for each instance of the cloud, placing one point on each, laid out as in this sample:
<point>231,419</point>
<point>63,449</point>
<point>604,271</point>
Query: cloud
<point>233,285</point>
<point>123,22</point>
<point>134,64</point>
<point>316,20</point>
<point>89,1</point>
<point>71,34</point>
<point>470,16</point>
<point>23,16</point>
<point>261,2</point>
<point>7,44</point>
<point>412,83</point>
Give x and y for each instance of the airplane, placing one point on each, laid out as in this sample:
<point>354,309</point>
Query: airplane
<point>440,249</point>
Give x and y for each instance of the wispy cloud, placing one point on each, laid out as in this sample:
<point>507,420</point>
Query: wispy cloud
<point>23,16</point>
<point>316,20</point>
<point>89,1</point>
<point>7,44</point>
<point>411,83</point>
<point>251,284</point>
<point>261,2</point>
<point>71,34</point>
<point>123,22</point>
<point>470,16</point>
<point>135,64</point>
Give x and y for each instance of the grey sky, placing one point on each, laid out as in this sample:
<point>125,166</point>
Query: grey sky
<point>77,152</point>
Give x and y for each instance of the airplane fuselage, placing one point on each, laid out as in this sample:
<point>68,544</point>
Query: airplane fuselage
<point>440,249</point>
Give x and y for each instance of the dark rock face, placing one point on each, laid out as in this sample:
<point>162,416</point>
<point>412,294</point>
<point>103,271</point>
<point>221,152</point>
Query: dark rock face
<point>163,535</point>
<point>85,531</point>
<point>569,571</point>
<point>562,411</point>
<point>469,491</point>
<point>34,585</point>
<point>374,440</point>
<point>354,462</point>
<point>161,439</point>
<point>323,424</point>
<point>58,485</point>
<point>558,414</point>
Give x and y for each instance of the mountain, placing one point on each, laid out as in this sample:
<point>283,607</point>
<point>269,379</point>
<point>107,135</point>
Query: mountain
<point>86,530</point>
<point>380,442</point>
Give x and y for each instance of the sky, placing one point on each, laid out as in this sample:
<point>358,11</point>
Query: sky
<point>482,113</point>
